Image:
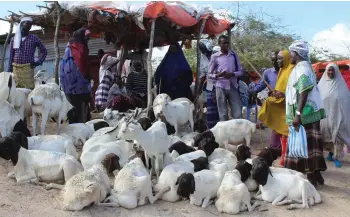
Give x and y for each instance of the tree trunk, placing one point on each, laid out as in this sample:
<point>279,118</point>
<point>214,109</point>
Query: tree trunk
<point>149,69</point>
<point>3,55</point>
<point>56,39</point>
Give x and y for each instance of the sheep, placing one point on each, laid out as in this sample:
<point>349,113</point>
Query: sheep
<point>243,152</point>
<point>112,117</point>
<point>36,165</point>
<point>171,172</point>
<point>132,186</point>
<point>19,100</point>
<point>244,168</point>
<point>96,152</point>
<point>233,196</point>
<point>176,112</point>
<point>88,187</point>
<point>283,188</point>
<point>49,101</point>
<point>225,156</point>
<point>54,143</point>
<point>189,156</point>
<point>269,155</point>
<point>155,141</point>
<point>208,146</point>
<point>201,186</point>
<point>10,120</point>
<point>81,132</point>
<point>157,109</point>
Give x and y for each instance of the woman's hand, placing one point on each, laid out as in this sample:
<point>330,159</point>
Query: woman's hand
<point>278,94</point>
<point>297,122</point>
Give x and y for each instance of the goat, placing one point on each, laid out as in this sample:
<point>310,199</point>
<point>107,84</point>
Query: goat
<point>49,101</point>
<point>283,188</point>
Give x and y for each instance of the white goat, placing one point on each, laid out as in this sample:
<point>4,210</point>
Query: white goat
<point>19,100</point>
<point>55,143</point>
<point>89,186</point>
<point>49,101</point>
<point>154,141</point>
<point>233,195</point>
<point>95,153</point>
<point>10,120</point>
<point>37,165</point>
<point>132,186</point>
<point>177,112</point>
<point>169,176</point>
<point>284,188</point>
<point>233,132</point>
<point>188,156</point>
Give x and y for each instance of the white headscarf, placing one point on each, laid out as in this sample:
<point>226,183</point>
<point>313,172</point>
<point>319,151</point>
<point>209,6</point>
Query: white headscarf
<point>301,48</point>
<point>207,44</point>
<point>216,49</point>
<point>18,35</point>
<point>336,100</point>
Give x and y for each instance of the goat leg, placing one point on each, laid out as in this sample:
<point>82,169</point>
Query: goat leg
<point>206,202</point>
<point>108,204</point>
<point>54,186</point>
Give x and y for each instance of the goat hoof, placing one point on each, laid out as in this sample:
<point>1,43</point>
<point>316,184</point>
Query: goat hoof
<point>290,207</point>
<point>48,187</point>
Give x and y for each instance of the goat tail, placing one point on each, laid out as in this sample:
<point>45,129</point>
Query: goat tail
<point>36,100</point>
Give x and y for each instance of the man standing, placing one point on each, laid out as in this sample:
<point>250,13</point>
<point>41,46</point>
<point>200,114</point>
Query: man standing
<point>269,75</point>
<point>224,68</point>
<point>22,51</point>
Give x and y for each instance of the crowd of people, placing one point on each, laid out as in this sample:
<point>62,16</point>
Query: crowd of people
<point>295,98</point>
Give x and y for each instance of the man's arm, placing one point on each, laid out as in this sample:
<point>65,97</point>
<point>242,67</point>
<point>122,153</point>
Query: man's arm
<point>43,52</point>
<point>260,86</point>
<point>12,54</point>
<point>239,68</point>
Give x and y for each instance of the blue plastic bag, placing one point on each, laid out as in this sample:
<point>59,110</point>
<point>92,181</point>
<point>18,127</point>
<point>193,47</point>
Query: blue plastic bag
<point>297,143</point>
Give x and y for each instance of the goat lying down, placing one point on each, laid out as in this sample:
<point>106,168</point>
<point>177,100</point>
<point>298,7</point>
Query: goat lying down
<point>36,165</point>
<point>89,186</point>
<point>283,188</point>
<point>133,186</point>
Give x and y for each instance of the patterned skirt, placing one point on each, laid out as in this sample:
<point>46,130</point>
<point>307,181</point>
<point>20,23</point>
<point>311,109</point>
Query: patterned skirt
<point>23,75</point>
<point>121,103</point>
<point>315,161</point>
<point>212,109</point>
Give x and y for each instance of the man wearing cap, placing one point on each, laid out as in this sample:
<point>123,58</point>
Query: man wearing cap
<point>22,51</point>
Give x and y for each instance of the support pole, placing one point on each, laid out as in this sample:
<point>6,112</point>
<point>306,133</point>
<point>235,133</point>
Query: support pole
<point>229,35</point>
<point>3,55</point>
<point>200,30</point>
<point>56,38</point>
<point>122,57</point>
<point>149,69</point>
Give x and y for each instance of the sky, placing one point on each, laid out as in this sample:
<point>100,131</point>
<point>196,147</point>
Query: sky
<point>323,24</point>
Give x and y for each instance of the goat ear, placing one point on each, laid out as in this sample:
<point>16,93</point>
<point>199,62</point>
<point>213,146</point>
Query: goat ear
<point>270,172</point>
<point>177,180</point>
<point>193,185</point>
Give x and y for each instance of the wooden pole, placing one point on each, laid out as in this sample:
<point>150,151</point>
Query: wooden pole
<point>56,39</point>
<point>122,57</point>
<point>229,37</point>
<point>149,69</point>
<point>200,30</point>
<point>3,55</point>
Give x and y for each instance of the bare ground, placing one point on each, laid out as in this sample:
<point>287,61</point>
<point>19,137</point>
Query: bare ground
<point>30,200</point>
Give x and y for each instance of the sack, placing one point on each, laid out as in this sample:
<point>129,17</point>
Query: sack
<point>297,143</point>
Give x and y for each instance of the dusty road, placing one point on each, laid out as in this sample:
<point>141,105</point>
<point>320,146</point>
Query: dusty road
<point>33,201</point>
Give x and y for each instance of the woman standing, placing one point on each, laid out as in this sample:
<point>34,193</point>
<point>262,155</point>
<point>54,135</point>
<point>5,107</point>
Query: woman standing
<point>74,75</point>
<point>304,107</point>
<point>335,128</point>
<point>273,111</point>
<point>174,75</point>
<point>107,79</point>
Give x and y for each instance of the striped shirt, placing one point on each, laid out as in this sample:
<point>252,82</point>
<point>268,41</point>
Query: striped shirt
<point>101,94</point>
<point>137,82</point>
<point>25,53</point>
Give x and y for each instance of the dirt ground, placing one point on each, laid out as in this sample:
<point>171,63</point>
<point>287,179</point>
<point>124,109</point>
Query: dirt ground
<point>29,200</point>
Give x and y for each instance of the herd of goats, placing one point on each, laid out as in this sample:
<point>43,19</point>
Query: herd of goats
<point>170,158</point>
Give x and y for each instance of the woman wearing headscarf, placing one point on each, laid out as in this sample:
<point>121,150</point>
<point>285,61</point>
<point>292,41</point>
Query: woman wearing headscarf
<point>273,111</point>
<point>335,128</point>
<point>107,79</point>
<point>304,107</point>
<point>174,75</point>
<point>74,75</point>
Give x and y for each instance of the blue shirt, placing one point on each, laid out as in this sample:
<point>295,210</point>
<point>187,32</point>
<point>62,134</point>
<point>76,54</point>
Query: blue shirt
<point>270,76</point>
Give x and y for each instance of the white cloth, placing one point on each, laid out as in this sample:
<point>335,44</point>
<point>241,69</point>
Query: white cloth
<point>107,62</point>
<point>303,69</point>
<point>301,48</point>
<point>18,36</point>
<point>207,44</point>
<point>335,127</point>
<point>216,49</point>
<point>204,66</point>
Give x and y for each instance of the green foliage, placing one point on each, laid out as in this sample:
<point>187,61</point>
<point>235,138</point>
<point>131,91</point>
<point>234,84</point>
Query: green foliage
<point>191,56</point>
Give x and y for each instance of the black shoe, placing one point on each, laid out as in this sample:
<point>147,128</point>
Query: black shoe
<point>318,177</point>
<point>311,178</point>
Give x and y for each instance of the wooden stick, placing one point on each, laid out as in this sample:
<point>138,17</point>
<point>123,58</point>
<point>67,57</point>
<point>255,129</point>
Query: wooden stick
<point>13,13</point>
<point>56,38</point>
<point>229,35</point>
<point>262,78</point>
<point>149,69</point>
<point>3,55</point>
<point>200,30</point>
<point>23,13</point>
<point>5,20</point>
